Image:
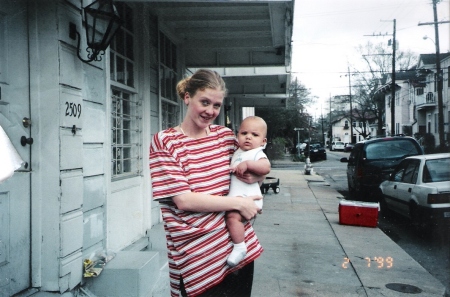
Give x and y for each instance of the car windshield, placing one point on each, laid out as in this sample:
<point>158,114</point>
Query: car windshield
<point>393,149</point>
<point>436,170</point>
<point>315,145</point>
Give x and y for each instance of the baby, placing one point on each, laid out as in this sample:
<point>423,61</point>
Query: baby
<point>249,157</point>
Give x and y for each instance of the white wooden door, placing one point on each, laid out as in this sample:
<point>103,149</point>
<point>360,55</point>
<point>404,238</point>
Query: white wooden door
<point>15,197</point>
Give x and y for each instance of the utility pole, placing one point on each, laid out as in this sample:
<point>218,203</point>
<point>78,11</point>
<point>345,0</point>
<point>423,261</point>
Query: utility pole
<point>351,109</point>
<point>323,134</point>
<point>394,45</point>
<point>331,126</point>
<point>393,82</point>
<point>439,78</point>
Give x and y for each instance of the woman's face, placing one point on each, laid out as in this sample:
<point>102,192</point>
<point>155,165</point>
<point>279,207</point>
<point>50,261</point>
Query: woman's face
<point>203,107</point>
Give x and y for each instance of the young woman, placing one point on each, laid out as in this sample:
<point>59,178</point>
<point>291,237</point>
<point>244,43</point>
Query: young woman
<point>190,170</point>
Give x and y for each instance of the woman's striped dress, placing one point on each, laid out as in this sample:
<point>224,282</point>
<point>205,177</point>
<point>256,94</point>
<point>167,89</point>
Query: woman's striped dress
<point>198,243</point>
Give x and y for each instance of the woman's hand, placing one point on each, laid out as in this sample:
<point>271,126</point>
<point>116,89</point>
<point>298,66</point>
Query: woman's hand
<point>249,209</point>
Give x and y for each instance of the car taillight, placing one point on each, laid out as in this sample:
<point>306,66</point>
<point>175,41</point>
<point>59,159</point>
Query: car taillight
<point>438,198</point>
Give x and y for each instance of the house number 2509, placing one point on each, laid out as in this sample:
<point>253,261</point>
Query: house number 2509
<point>73,109</point>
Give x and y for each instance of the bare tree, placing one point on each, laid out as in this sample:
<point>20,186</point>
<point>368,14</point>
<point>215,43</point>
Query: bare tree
<point>299,96</point>
<point>377,58</point>
<point>282,121</point>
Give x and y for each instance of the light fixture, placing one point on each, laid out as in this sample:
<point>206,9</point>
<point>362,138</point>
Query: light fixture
<point>101,21</point>
<point>426,37</point>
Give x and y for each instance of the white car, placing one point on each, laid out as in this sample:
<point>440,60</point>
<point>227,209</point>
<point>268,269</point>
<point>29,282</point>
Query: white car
<point>419,188</point>
<point>337,145</point>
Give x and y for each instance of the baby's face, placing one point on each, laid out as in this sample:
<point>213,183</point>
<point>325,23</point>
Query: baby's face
<point>251,135</point>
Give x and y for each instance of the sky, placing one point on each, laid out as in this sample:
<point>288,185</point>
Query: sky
<point>327,33</point>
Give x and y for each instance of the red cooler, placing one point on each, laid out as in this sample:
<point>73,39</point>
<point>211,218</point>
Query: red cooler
<point>358,213</point>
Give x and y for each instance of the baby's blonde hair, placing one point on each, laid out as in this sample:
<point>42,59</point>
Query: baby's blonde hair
<point>260,121</point>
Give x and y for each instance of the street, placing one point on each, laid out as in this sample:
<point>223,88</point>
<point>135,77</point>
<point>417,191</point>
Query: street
<point>430,249</point>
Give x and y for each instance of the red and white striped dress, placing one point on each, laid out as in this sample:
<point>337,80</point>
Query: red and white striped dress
<point>198,242</point>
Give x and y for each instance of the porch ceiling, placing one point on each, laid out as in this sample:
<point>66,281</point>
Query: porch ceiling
<point>248,42</point>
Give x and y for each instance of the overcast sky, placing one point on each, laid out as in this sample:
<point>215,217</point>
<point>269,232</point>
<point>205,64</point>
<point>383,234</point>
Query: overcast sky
<point>327,32</point>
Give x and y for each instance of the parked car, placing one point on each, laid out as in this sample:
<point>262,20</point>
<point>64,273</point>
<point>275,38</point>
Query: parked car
<point>371,161</point>
<point>300,147</point>
<point>348,147</point>
<point>337,145</point>
<point>318,152</point>
<point>419,189</point>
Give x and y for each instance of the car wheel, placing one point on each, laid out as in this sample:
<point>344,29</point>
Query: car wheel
<point>276,190</point>
<point>325,157</point>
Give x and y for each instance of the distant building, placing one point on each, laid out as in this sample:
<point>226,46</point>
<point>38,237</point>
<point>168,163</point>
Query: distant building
<point>364,124</point>
<point>416,104</point>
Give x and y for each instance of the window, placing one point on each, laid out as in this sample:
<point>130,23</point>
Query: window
<point>169,115</point>
<point>448,76</point>
<point>430,97</point>
<point>248,112</point>
<point>126,118</point>
<point>394,149</point>
<point>122,53</point>
<point>168,79</point>
<point>126,135</point>
<point>419,91</point>
<point>410,175</point>
<point>436,170</point>
<point>398,175</point>
<point>436,121</point>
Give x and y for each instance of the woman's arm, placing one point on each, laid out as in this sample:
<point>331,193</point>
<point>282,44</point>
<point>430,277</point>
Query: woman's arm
<point>200,202</point>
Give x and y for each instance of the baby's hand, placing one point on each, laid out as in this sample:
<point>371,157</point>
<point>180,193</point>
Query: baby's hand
<point>240,169</point>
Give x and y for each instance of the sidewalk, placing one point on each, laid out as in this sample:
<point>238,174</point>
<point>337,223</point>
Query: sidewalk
<point>305,248</point>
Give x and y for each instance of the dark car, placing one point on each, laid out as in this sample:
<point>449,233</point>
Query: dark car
<point>317,152</point>
<point>371,161</point>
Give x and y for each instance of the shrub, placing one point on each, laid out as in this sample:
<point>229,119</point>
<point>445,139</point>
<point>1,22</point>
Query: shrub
<point>275,149</point>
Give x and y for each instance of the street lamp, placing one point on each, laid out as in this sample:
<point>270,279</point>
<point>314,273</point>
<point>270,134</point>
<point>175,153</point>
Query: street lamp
<point>101,21</point>
<point>426,37</point>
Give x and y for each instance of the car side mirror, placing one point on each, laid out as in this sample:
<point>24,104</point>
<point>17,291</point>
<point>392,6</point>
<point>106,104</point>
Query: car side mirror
<point>344,160</point>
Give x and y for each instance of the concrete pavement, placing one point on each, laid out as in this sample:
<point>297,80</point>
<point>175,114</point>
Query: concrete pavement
<point>308,253</point>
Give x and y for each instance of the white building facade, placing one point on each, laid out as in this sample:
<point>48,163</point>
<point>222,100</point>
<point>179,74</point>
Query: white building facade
<point>416,99</point>
<point>83,129</point>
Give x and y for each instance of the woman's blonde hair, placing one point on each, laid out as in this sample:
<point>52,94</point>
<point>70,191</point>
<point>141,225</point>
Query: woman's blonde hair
<point>202,79</point>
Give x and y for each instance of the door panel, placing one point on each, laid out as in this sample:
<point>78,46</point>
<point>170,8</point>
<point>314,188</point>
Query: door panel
<point>14,107</point>
<point>405,187</point>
